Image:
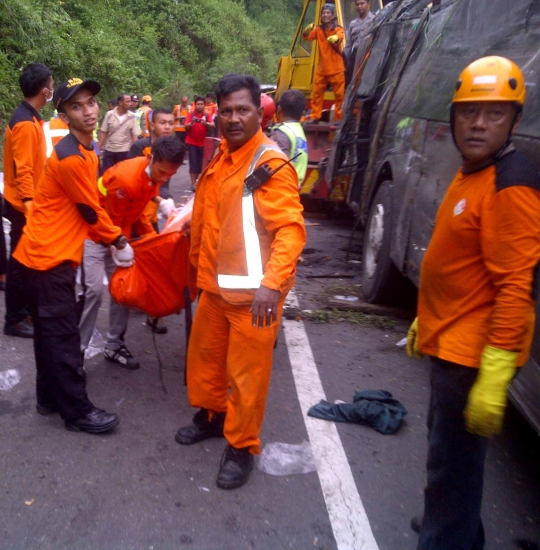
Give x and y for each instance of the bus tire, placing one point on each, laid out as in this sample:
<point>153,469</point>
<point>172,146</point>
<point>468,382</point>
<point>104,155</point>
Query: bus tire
<point>382,283</point>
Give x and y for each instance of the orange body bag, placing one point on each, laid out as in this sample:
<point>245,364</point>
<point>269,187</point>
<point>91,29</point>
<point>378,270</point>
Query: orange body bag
<point>156,283</point>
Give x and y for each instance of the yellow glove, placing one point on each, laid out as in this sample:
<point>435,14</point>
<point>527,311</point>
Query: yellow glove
<point>412,341</point>
<point>484,412</point>
<point>333,39</point>
<point>309,28</point>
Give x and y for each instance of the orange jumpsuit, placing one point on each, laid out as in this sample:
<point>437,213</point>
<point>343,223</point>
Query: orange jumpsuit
<point>330,70</point>
<point>129,190</point>
<point>477,279</point>
<point>229,360</point>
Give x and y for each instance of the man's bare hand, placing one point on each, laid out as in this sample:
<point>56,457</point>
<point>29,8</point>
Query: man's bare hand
<point>264,307</point>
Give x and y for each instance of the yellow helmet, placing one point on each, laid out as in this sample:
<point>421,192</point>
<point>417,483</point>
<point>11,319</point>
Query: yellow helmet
<point>491,78</point>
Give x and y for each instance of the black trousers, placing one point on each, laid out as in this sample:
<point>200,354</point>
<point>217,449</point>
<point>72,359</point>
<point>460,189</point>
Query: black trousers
<point>3,249</point>
<point>455,464</point>
<point>57,344</point>
<point>110,159</point>
<point>16,297</point>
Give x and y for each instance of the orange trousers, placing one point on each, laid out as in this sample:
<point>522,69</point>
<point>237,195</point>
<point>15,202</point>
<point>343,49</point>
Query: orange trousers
<point>229,366</point>
<point>337,83</point>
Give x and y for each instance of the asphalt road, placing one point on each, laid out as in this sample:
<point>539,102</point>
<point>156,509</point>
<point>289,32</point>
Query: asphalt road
<point>137,488</point>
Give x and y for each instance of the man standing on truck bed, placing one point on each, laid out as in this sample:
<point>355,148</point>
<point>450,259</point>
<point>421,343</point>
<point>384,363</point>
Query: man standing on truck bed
<point>357,25</point>
<point>331,68</point>
<point>476,304</point>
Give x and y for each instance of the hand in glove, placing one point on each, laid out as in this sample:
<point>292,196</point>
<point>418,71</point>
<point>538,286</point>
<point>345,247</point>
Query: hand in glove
<point>123,257</point>
<point>333,39</point>
<point>166,206</point>
<point>309,28</point>
<point>412,341</point>
<point>484,412</point>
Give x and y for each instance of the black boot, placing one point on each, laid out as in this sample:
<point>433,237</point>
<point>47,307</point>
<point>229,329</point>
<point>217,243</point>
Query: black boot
<point>201,429</point>
<point>235,467</point>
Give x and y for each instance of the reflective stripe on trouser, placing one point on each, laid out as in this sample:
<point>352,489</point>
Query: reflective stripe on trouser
<point>226,351</point>
<point>97,261</point>
<point>337,82</point>
<point>251,238</point>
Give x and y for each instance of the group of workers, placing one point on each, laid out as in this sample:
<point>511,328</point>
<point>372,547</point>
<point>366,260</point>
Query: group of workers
<point>477,287</point>
<point>245,242</point>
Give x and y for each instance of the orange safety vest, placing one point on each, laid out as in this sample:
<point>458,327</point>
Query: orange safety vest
<point>146,114</point>
<point>180,111</point>
<point>245,244</point>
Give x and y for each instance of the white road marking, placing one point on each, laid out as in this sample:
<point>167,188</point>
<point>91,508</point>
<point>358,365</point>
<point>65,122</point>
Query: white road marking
<point>345,509</point>
<point>9,379</point>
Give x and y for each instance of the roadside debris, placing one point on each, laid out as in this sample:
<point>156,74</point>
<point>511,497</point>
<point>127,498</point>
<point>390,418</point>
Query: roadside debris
<point>284,459</point>
<point>376,408</point>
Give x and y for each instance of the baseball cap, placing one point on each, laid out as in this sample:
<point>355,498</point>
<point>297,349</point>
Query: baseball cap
<point>147,98</point>
<point>70,87</point>
<point>134,97</point>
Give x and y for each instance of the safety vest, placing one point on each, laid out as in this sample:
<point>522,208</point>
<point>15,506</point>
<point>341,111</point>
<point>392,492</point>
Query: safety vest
<point>180,111</point>
<point>297,137</point>
<point>54,131</point>
<point>230,251</point>
<point>145,120</point>
<point>101,188</point>
<point>138,115</point>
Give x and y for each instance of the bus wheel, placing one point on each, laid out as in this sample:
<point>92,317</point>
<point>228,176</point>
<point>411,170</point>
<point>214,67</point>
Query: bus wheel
<point>381,280</point>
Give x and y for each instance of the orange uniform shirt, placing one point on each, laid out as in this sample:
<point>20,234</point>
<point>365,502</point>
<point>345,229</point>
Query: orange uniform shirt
<point>65,208</point>
<point>278,217</point>
<point>210,110</point>
<point>129,189</point>
<point>330,57</point>
<point>476,282</point>
<point>24,155</point>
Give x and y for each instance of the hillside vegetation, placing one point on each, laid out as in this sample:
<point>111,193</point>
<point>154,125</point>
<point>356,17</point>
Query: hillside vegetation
<point>165,48</point>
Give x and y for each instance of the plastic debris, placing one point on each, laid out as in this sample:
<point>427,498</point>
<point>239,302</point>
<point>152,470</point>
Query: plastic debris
<point>9,378</point>
<point>285,459</point>
<point>402,343</point>
<point>346,298</point>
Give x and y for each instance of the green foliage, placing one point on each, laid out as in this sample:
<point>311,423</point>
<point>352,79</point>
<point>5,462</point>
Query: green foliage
<point>166,48</point>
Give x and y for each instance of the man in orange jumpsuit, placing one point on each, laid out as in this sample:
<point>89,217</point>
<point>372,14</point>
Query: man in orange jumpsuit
<point>65,209</point>
<point>127,187</point>
<point>24,161</point>
<point>476,303</point>
<point>245,245</point>
<point>331,67</point>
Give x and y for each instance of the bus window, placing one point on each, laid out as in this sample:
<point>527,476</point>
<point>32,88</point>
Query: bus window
<point>302,48</point>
